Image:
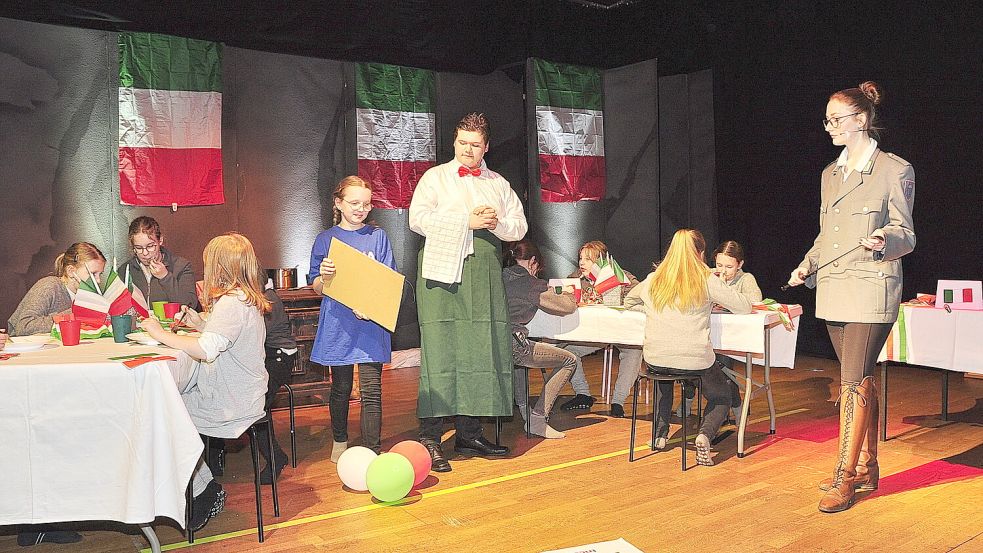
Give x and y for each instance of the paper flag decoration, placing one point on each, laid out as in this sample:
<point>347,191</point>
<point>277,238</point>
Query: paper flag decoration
<point>606,274</point>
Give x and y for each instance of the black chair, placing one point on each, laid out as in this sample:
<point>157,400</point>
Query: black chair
<point>254,449</point>
<point>654,378</point>
<point>293,426</point>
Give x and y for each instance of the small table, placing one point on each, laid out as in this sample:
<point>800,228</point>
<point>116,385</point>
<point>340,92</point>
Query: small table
<point>757,338</point>
<point>89,439</point>
<point>934,338</point>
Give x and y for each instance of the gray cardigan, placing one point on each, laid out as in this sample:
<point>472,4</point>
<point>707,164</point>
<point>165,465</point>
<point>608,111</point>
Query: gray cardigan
<point>681,339</point>
<point>47,297</point>
<point>527,294</point>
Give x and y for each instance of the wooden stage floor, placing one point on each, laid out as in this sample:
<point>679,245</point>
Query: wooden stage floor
<point>551,494</point>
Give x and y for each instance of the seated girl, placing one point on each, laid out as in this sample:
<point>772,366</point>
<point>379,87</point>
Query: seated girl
<point>526,294</point>
<point>629,357</point>
<point>221,374</point>
<point>677,299</point>
<point>54,295</point>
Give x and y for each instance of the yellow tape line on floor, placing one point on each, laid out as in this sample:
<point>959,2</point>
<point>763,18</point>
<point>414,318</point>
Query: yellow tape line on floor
<point>436,493</point>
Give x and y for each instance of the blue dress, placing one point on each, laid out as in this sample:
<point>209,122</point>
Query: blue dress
<point>342,338</point>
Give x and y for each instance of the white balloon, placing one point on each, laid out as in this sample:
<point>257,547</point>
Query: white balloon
<point>353,466</point>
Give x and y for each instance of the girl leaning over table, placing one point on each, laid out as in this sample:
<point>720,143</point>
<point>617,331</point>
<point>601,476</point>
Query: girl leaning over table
<point>53,295</point>
<point>865,227</point>
<point>677,299</point>
<point>526,294</point>
<point>221,374</point>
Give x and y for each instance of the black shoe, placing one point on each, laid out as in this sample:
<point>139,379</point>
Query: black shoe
<point>266,475</point>
<point>479,446</point>
<point>208,504</point>
<point>438,463</point>
<point>26,539</point>
<point>579,401</point>
<point>617,411</point>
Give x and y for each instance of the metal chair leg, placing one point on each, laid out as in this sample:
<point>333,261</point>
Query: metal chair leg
<point>293,427</point>
<point>190,498</point>
<point>528,404</point>
<point>634,419</point>
<point>271,439</point>
<point>682,393</point>
<point>254,449</point>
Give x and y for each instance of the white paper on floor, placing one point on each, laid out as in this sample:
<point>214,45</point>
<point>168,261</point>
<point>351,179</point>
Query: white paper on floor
<point>615,546</point>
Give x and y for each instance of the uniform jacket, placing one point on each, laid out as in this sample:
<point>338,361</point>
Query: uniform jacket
<point>864,286</point>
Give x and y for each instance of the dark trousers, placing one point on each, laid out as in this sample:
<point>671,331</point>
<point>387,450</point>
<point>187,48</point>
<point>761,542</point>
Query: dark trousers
<point>466,427</point>
<point>857,346</point>
<point>370,385</point>
<point>716,389</point>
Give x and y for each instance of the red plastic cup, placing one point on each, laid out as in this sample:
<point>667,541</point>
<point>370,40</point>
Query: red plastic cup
<point>71,332</point>
<point>171,309</point>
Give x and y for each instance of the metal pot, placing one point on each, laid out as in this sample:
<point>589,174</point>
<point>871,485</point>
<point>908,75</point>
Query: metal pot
<point>284,277</point>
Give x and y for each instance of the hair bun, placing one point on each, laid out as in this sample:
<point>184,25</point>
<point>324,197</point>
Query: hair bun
<point>872,91</point>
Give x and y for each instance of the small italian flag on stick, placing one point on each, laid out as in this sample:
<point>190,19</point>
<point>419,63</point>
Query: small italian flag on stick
<point>606,274</point>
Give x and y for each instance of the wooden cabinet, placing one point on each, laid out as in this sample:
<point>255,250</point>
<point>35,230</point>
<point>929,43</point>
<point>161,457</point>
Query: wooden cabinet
<point>310,380</point>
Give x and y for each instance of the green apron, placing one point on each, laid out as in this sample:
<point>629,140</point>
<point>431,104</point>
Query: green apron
<point>466,357</point>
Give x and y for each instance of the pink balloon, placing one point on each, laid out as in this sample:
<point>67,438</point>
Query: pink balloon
<point>418,456</point>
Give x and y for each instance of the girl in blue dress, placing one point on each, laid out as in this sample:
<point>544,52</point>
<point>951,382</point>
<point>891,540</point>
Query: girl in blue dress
<point>344,336</point>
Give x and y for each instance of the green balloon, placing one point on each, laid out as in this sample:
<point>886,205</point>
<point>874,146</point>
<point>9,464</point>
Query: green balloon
<point>390,477</point>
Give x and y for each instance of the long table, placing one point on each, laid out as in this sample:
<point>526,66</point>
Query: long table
<point>757,339</point>
<point>87,438</point>
<point>935,338</point>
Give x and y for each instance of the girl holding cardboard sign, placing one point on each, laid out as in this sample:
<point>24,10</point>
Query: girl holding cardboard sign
<point>345,337</point>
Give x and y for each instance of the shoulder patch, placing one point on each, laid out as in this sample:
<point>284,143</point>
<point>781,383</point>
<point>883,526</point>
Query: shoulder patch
<point>899,159</point>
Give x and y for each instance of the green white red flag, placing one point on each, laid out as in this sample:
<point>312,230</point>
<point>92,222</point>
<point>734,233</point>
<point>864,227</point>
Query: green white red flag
<point>170,120</point>
<point>139,301</point>
<point>89,302</point>
<point>570,131</point>
<point>116,293</point>
<point>606,274</point>
<point>395,129</point>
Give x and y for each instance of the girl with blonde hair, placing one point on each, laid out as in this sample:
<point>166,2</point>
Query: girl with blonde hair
<point>221,374</point>
<point>677,299</point>
<point>54,294</point>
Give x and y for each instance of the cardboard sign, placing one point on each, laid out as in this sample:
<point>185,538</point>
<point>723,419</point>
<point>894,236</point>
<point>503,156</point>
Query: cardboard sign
<point>364,284</point>
<point>959,294</point>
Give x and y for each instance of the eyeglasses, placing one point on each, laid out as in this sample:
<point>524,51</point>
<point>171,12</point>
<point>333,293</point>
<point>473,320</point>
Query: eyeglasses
<point>149,248</point>
<point>361,206</point>
<point>834,122</point>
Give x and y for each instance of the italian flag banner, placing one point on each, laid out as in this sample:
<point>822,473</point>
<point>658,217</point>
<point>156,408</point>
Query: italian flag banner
<point>395,129</point>
<point>570,131</point>
<point>170,121</point>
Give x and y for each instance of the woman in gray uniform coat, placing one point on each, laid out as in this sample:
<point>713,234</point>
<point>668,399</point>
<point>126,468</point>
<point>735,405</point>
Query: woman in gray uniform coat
<point>864,216</point>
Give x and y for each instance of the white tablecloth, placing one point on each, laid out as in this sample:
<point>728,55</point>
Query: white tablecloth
<point>728,332</point>
<point>85,438</point>
<point>936,338</point>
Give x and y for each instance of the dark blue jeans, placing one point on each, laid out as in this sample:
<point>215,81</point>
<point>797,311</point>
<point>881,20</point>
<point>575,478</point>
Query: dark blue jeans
<point>716,390</point>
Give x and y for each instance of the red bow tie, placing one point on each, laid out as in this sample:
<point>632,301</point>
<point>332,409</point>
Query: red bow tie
<point>463,171</point>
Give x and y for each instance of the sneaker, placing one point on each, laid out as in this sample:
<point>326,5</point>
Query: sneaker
<point>579,401</point>
<point>207,505</point>
<point>703,451</point>
<point>337,448</point>
<point>660,443</point>
<point>617,411</point>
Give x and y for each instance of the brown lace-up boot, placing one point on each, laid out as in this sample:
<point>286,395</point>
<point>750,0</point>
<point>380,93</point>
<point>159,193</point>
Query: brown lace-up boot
<point>854,417</point>
<point>868,472</point>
